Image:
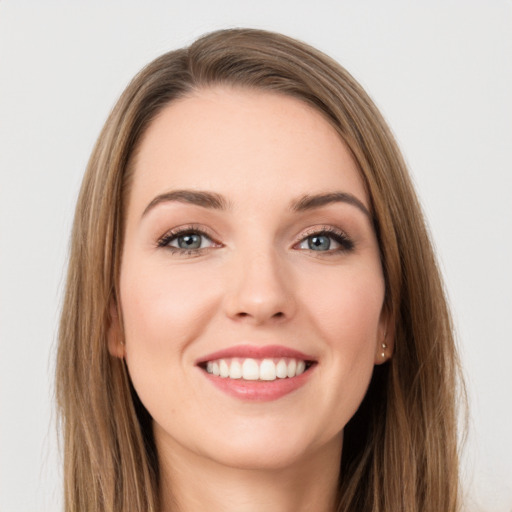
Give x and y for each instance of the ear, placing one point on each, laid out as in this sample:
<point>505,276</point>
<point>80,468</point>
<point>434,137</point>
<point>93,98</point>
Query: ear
<point>385,342</point>
<point>114,334</point>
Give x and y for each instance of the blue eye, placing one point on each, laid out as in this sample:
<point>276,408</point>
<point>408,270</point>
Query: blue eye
<point>187,242</point>
<point>327,241</point>
<point>319,243</point>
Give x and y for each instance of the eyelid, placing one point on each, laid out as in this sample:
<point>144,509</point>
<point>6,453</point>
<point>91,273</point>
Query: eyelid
<point>181,230</point>
<point>322,228</point>
<point>339,236</point>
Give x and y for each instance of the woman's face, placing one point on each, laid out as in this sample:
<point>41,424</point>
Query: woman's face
<point>251,285</point>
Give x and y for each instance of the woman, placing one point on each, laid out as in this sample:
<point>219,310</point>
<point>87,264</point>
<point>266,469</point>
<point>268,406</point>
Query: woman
<point>253,319</point>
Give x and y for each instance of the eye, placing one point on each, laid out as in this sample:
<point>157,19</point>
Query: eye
<point>327,241</point>
<point>187,241</point>
<point>317,243</point>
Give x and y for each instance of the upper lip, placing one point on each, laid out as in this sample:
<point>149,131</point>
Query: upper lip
<point>255,352</point>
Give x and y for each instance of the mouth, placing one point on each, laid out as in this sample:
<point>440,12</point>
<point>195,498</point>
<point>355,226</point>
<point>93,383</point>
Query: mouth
<point>258,373</point>
<point>257,369</point>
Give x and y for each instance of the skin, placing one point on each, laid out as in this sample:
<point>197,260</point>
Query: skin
<point>256,281</point>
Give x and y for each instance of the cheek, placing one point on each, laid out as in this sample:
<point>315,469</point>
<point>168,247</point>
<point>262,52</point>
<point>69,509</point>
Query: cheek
<point>347,316</point>
<point>163,309</point>
<point>163,313</point>
<point>347,307</point>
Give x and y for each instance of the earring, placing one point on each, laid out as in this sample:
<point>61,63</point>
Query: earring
<point>384,347</point>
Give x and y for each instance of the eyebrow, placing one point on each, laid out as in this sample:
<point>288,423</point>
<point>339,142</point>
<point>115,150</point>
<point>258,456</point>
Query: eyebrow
<point>196,197</point>
<point>309,202</point>
<point>216,201</point>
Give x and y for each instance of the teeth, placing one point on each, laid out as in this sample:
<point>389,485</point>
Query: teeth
<point>281,369</point>
<point>292,367</point>
<point>235,370</point>
<point>256,369</point>
<point>267,370</point>
<point>223,368</point>
<point>250,370</point>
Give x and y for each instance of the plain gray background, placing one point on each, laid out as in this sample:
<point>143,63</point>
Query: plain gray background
<point>441,72</point>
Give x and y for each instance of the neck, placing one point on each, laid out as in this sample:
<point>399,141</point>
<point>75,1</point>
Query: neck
<point>189,483</point>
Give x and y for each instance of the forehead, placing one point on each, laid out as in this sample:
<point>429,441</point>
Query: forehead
<point>243,143</point>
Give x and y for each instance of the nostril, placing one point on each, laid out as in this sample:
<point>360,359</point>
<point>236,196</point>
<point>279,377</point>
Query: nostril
<point>244,314</point>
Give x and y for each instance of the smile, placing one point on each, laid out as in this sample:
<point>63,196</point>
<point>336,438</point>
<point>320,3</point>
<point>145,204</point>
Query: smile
<point>257,373</point>
<point>257,369</point>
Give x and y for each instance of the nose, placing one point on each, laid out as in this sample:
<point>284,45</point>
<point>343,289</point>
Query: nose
<point>259,289</point>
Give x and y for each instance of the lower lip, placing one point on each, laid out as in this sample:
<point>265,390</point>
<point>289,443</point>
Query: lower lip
<point>257,390</point>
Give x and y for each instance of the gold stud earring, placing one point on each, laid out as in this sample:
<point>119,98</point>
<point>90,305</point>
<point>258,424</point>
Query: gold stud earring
<point>384,347</point>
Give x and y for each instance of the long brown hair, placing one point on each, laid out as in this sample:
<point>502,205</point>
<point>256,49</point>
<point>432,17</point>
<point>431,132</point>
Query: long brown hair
<point>400,448</point>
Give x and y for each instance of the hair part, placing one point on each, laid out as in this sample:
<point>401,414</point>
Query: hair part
<point>400,448</point>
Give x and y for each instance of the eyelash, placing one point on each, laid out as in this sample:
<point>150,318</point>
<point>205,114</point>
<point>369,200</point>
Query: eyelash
<point>172,235</point>
<point>340,237</point>
<point>346,244</point>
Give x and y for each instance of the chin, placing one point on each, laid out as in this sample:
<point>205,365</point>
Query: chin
<point>276,448</point>
<point>272,455</point>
